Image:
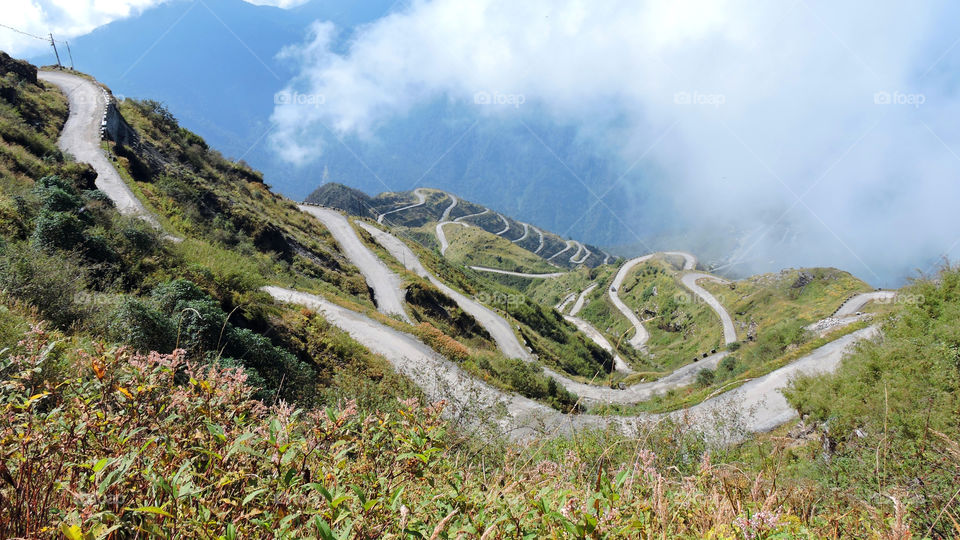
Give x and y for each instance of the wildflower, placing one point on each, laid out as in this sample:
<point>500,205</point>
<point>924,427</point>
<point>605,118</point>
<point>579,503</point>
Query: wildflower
<point>757,524</point>
<point>547,468</point>
<point>571,508</point>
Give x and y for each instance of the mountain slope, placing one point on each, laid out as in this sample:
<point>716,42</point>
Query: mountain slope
<point>540,250</point>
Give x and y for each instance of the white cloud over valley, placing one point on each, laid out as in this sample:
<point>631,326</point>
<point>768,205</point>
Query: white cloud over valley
<point>833,119</point>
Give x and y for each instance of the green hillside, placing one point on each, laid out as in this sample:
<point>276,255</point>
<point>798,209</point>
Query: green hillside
<point>150,388</point>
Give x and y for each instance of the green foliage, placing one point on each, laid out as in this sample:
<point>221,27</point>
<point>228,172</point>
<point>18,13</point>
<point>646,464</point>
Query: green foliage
<point>48,282</point>
<point>526,379</point>
<point>557,342</point>
<point>57,230</point>
<point>892,406</point>
<point>705,377</point>
<point>142,326</point>
<point>104,442</point>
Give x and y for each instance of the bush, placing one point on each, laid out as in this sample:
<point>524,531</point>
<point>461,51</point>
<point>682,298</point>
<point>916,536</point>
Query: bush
<point>57,230</point>
<point>442,343</point>
<point>49,282</point>
<point>705,377</point>
<point>169,295</point>
<point>142,326</point>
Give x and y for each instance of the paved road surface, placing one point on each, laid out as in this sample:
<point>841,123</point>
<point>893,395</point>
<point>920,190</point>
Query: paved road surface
<point>387,293</point>
<point>570,245</point>
<point>755,407</point>
<point>81,138</point>
<point>640,335</point>
<point>461,218</point>
<point>442,236</point>
<point>540,247</point>
<point>855,304</point>
<point>689,281</point>
<point>498,327</point>
<point>506,225</point>
<point>447,210</point>
<point>526,233</point>
<point>518,274</point>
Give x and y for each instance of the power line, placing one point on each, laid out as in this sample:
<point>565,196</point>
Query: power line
<point>50,40</point>
<point>41,38</point>
<point>24,33</point>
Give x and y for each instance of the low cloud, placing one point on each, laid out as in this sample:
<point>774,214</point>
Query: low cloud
<point>824,128</point>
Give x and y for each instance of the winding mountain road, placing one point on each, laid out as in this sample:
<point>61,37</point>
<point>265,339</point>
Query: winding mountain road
<point>856,303</point>
<point>442,236</point>
<point>591,332</point>
<point>506,225</point>
<point>540,247</point>
<point>526,233</point>
<point>385,284</point>
<point>461,218</point>
<point>421,200</point>
<point>80,137</point>
<point>517,274</point>
<point>498,327</point>
<point>453,204</point>
<point>754,407</point>
<point>570,245</point>
<point>580,249</point>
<point>640,336</point>
<point>689,281</point>
<point>689,261</point>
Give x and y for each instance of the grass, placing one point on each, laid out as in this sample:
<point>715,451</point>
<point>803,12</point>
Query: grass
<point>92,454</point>
<point>473,246</point>
<point>763,300</point>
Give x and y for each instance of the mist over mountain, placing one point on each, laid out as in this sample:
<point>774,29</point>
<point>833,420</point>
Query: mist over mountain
<point>628,126</point>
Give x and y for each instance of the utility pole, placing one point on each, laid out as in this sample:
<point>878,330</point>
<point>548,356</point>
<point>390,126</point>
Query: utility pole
<point>70,53</point>
<point>54,45</point>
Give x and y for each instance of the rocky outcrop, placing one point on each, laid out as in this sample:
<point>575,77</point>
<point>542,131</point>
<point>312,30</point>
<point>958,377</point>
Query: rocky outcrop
<point>22,69</point>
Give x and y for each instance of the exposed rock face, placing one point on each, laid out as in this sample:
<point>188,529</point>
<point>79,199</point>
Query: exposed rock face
<point>22,69</point>
<point>803,280</point>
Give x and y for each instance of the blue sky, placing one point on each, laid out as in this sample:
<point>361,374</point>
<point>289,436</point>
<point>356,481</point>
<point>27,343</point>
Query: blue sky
<point>825,129</point>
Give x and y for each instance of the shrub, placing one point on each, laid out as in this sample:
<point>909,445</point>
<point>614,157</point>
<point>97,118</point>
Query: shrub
<point>57,230</point>
<point>169,295</point>
<point>705,377</point>
<point>442,343</point>
<point>142,326</point>
<point>49,282</point>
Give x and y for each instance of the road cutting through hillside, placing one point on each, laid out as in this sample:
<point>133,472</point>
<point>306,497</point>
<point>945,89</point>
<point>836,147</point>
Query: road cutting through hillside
<point>80,137</point>
<point>689,281</point>
<point>387,293</point>
<point>591,332</point>
<point>757,406</point>
<point>421,200</point>
<point>442,236</point>
<point>517,274</point>
<point>498,327</point>
<point>856,303</point>
<point>526,233</point>
<point>453,204</point>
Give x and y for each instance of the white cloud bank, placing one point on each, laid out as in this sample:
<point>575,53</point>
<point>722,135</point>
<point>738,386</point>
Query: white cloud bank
<point>833,115</point>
